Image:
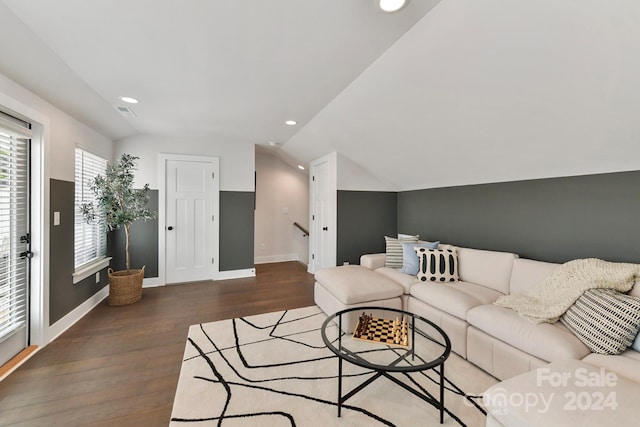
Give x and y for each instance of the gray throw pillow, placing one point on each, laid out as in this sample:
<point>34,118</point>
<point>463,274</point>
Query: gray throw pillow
<point>410,260</point>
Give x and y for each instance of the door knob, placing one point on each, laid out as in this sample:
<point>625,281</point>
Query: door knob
<point>169,228</point>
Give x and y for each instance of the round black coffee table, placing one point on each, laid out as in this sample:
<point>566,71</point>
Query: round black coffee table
<point>427,347</point>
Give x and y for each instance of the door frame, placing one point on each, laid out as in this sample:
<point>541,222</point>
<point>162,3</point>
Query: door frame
<point>162,210</point>
<point>332,160</point>
<point>39,328</point>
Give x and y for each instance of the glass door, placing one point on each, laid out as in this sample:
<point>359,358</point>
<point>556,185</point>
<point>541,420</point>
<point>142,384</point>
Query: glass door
<point>14,236</point>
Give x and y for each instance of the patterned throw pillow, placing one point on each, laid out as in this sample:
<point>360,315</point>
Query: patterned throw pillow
<point>437,265</point>
<point>605,320</point>
<point>394,250</point>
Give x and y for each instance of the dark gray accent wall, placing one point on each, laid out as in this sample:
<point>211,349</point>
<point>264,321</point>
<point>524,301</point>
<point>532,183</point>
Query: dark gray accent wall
<point>143,241</point>
<point>364,218</point>
<point>236,230</point>
<point>64,296</point>
<point>556,219</point>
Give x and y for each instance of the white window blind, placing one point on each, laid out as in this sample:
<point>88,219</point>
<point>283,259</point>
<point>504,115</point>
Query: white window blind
<point>14,222</point>
<point>90,239</point>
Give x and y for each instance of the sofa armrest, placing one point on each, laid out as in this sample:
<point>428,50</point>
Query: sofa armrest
<point>373,261</point>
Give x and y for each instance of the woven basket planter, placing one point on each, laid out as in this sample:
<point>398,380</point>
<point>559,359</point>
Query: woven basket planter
<point>125,286</point>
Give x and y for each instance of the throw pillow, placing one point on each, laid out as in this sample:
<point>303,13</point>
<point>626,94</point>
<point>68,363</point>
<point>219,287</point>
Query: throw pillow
<point>410,260</point>
<point>408,236</point>
<point>636,343</point>
<point>605,320</point>
<point>394,250</point>
<point>437,265</point>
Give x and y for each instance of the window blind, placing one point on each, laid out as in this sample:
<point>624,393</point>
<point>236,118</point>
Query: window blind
<point>90,240</point>
<point>14,222</point>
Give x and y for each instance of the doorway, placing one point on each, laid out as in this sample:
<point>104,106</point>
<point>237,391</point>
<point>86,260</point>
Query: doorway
<point>323,213</point>
<point>15,237</point>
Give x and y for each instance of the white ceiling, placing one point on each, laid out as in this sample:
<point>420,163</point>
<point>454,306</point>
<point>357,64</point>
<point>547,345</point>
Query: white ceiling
<point>440,93</point>
<point>232,70</point>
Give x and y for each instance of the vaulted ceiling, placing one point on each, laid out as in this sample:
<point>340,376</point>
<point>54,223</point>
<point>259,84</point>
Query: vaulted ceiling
<point>441,93</point>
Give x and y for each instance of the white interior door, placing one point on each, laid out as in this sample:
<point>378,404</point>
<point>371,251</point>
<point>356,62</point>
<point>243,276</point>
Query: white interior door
<point>190,220</point>
<point>323,214</point>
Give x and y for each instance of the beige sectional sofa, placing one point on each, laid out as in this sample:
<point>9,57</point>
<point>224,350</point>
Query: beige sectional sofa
<point>494,338</point>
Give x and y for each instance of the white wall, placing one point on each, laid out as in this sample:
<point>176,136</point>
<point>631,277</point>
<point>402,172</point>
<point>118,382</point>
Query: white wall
<point>52,158</point>
<point>491,90</point>
<point>236,160</point>
<point>278,187</point>
<point>354,177</point>
<point>64,133</point>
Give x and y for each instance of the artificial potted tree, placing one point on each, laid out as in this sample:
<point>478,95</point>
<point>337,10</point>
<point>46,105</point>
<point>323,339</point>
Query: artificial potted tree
<point>121,205</point>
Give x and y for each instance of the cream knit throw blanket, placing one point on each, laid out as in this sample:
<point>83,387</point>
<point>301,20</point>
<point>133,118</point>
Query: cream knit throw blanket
<point>549,299</point>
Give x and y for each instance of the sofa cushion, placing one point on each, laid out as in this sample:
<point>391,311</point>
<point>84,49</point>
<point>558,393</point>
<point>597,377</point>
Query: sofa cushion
<point>605,320</point>
<point>372,261</point>
<point>559,395</point>
<point>394,250</point>
<point>453,298</point>
<point>353,284</point>
<point>410,260</point>
<point>527,273</point>
<point>437,265</point>
<point>626,364</point>
<point>545,341</point>
<point>404,280</point>
<point>487,268</point>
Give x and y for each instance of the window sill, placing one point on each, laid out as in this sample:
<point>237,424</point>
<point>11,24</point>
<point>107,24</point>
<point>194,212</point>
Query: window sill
<point>88,270</point>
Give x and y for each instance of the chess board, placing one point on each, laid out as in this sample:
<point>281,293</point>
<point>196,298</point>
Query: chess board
<point>381,331</point>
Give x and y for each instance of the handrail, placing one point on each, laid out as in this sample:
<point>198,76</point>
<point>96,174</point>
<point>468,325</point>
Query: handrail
<point>301,228</point>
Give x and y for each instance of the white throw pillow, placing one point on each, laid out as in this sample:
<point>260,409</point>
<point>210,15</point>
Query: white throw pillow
<point>437,265</point>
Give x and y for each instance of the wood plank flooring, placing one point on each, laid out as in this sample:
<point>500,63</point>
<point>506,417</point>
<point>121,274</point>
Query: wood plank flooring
<point>119,366</point>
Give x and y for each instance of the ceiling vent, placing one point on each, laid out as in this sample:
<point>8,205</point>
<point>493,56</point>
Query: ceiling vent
<point>125,111</point>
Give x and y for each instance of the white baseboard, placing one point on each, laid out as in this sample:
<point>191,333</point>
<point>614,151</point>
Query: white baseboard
<point>236,274</point>
<point>152,282</point>
<point>276,258</point>
<point>76,314</point>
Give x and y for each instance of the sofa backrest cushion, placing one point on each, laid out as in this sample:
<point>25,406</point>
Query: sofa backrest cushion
<point>490,269</point>
<point>527,273</point>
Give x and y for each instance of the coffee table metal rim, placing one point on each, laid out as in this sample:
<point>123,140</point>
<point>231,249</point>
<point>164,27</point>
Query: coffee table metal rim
<point>360,362</point>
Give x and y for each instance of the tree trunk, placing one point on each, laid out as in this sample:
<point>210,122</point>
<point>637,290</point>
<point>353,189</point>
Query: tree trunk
<point>126,233</point>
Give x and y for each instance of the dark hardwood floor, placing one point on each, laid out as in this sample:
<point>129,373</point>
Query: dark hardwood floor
<point>119,366</point>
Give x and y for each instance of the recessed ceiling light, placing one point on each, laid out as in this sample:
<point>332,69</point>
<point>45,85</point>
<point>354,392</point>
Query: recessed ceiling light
<point>392,5</point>
<point>301,167</point>
<point>129,99</point>
<point>274,143</point>
<point>290,123</point>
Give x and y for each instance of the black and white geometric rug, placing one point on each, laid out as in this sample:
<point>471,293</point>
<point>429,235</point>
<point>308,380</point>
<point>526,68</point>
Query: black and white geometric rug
<point>274,370</point>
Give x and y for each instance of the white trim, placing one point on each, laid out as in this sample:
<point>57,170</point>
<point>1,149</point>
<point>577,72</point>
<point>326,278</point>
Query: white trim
<point>152,282</point>
<point>39,287</point>
<point>76,314</point>
<point>90,269</point>
<point>276,258</point>
<point>237,274</point>
<point>162,207</point>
